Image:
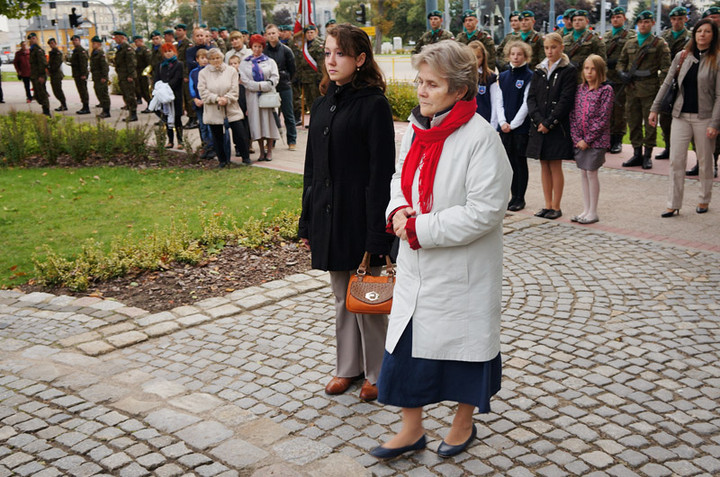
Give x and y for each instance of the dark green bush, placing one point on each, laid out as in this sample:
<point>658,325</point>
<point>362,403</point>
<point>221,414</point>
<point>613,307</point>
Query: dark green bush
<point>402,98</point>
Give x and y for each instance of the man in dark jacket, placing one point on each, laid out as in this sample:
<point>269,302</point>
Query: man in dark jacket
<point>183,43</point>
<point>100,69</point>
<point>285,61</point>
<point>55,62</point>
<point>38,73</point>
<point>126,73</point>
<point>142,61</point>
<point>79,64</point>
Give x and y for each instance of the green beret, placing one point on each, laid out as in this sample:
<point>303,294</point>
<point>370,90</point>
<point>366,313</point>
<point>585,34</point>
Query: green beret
<point>568,13</point>
<point>213,29</point>
<point>617,11</point>
<point>331,22</point>
<point>74,36</point>
<point>435,13</point>
<point>222,29</point>
<point>678,12</point>
<point>203,25</point>
<point>468,13</point>
<point>644,15</point>
<point>32,35</point>
<point>244,32</point>
<point>579,13</point>
<point>310,27</point>
<point>527,14</point>
<point>711,11</point>
<point>181,26</point>
<point>96,39</point>
<point>155,33</point>
<point>51,39</point>
<point>137,37</point>
<point>515,13</point>
<point>169,31</point>
<point>119,32</point>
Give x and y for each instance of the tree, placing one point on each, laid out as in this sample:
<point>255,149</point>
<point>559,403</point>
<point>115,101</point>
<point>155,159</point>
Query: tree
<point>24,9</point>
<point>283,17</point>
<point>147,16</point>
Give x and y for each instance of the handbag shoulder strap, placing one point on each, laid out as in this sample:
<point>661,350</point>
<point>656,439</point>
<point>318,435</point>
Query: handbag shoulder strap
<point>683,55</point>
<point>365,265</point>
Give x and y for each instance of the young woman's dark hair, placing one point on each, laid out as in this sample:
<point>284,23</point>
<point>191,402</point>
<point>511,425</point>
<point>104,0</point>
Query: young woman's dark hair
<point>353,41</point>
<point>712,51</point>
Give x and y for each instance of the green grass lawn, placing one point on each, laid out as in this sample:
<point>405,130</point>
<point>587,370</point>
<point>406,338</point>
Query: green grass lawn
<point>64,207</point>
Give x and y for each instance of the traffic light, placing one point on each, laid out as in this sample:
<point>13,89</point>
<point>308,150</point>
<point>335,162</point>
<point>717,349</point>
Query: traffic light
<point>75,19</point>
<point>53,22</point>
<point>52,5</point>
<point>361,15</point>
<point>85,4</point>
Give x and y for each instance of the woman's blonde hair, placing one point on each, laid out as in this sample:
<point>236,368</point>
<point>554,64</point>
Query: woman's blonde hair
<point>476,45</point>
<point>554,36</point>
<point>600,68</point>
<point>527,51</point>
<point>215,52</point>
<point>454,62</point>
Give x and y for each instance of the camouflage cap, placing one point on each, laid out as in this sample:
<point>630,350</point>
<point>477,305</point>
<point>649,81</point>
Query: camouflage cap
<point>468,13</point>
<point>644,15</point>
<point>96,39</point>
<point>434,13</point>
<point>679,12</point>
<point>617,11</point>
<point>527,14</point>
<point>711,11</point>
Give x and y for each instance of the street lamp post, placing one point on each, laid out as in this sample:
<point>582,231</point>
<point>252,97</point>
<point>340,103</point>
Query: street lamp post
<point>241,19</point>
<point>132,17</point>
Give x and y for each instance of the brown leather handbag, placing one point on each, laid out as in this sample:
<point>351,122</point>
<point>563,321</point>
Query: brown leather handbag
<point>368,294</point>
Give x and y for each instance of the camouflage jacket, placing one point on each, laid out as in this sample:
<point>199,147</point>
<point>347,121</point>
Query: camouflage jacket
<point>578,50</point>
<point>483,37</point>
<point>221,44</point>
<point>155,58</point>
<point>650,73</point>
<point>38,62</point>
<point>79,62</point>
<point>182,47</point>
<point>500,60</point>
<point>125,62</point>
<point>55,61</point>
<point>428,39</point>
<point>142,58</point>
<point>305,72</point>
<point>535,40</point>
<point>613,48</point>
<point>675,44</point>
<point>99,65</point>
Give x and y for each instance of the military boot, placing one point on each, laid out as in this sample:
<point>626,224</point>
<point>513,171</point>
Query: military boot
<point>665,154</point>
<point>105,113</point>
<point>636,159</point>
<point>133,117</point>
<point>46,111</point>
<point>85,110</point>
<point>62,107</point>
<point>615,143</point>
<point>647,158</point>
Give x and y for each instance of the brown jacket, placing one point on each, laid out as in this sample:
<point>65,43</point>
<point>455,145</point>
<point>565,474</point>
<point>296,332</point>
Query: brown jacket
<point>213,83</point>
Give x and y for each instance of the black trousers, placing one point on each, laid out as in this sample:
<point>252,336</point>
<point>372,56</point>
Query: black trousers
<point>240,138</point>
<point>26,82</point>
<point>515,146</point>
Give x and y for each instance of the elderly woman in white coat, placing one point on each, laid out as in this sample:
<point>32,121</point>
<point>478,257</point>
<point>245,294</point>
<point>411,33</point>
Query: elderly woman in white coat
<point>448,198</point>
<point>259,74</point>
<point>219,89</point>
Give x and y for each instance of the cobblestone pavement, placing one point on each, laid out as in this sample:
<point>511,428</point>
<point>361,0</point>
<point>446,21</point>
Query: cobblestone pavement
<point>610,345</point>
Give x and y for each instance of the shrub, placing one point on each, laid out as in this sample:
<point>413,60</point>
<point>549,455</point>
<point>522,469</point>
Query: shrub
<point>402,98</point>
<point>12,138</point>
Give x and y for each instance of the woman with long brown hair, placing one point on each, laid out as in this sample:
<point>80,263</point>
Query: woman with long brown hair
<point>696,113</point>
<point>349,161</point>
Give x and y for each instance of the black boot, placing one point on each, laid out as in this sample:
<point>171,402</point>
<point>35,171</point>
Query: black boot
<point>665,154</point>
<point>105,113</point>
<point>615,143</point>
<point>694,171</point>
<point>647,158</point>
<point>62,107</point>
<point>85,110</point>
<point>46,111</point>
<point>132,117</point>
<point>636,159</point>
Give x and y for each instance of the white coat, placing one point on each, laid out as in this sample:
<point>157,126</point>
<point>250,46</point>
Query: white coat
<point>263,123</point>
<point>452,286</point>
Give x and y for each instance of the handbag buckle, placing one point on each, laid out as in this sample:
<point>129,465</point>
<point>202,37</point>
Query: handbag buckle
<point>372,296</point>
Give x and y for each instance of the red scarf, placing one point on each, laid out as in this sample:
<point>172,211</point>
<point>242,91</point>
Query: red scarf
<point>427,146</point>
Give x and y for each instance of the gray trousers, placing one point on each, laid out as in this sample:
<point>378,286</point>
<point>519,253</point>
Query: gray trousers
<point>360,338</point>
<point>685,128</point>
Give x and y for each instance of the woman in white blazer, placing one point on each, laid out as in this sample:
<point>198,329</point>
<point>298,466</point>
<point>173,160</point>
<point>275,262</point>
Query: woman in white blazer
<point>448,198</point>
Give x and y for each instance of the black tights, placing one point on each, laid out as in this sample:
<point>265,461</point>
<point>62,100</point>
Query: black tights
<point>515,146</point>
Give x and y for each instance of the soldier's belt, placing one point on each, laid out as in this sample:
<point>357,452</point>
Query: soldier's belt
<point>641,74</point>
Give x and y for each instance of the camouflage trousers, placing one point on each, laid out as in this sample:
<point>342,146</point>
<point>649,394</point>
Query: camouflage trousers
<point>638,111</point>
<point>297,100</point>
<point>618,122</point>
<point>187,100</point>
<point>56,85</point>
<point>310,92</point>
<point>41,95</point>
<point>103,96</point>
<point>81,85</point>
<point>128,92</point>
<point>142,88</point>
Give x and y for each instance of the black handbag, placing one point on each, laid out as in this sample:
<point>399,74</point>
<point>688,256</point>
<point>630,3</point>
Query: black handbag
<point>668,100</point>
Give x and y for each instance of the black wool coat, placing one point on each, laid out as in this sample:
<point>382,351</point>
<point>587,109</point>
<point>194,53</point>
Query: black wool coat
<point>349,162</point>
<point>550,101</point>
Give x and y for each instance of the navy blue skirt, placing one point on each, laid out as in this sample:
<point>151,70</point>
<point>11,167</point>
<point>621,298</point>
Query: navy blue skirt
<point>405,381</point>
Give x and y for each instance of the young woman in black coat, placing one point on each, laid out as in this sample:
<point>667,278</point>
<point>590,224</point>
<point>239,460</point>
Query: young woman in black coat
<point>171,72</point>
<point>550,100</point>
<point>349,163</point>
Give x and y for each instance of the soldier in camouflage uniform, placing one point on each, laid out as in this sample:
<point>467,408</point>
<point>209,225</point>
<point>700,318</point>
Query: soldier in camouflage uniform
<point>582,42</point>
<point>38,73</point>
<point>126,73</point>
<point>225,37</point>
<point>567,22</point>
<point>531,37</point>
<point>55,61</point>
<point>183,43</point>
<point>100,70</point>
<point>215,33</point>
<point>676,38</point>
<point>142,61</point>
<point>435,34</point>
<point>615,40</point>
<point>643,64</point>
<point>287,37</point>
<point>471,33</point>
<point>307,73</point>
<point>155,54</point>
<point>79,65</point>
<point>500,60</point>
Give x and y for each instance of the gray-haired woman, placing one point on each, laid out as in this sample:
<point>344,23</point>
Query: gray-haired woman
<point>447,201</point>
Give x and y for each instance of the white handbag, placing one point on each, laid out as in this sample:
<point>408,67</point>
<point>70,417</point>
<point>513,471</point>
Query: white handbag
<point>269,100</point>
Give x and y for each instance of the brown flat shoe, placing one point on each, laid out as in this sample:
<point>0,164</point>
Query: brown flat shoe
<point>338,385</point>
<point>368,392</point>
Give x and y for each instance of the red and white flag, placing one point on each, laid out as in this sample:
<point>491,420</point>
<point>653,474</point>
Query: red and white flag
<point>303,19</point>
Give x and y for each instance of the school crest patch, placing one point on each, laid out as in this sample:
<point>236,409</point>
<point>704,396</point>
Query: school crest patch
<point>519,84</point>
<point>482,89</point>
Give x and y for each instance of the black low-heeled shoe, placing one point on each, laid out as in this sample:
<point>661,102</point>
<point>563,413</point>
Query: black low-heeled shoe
<point>542,212</point>
<point>553,214</point>
<point>446,450</point>
<point>670,213</point>
<point>381,452</point>
<point>701,210</point>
